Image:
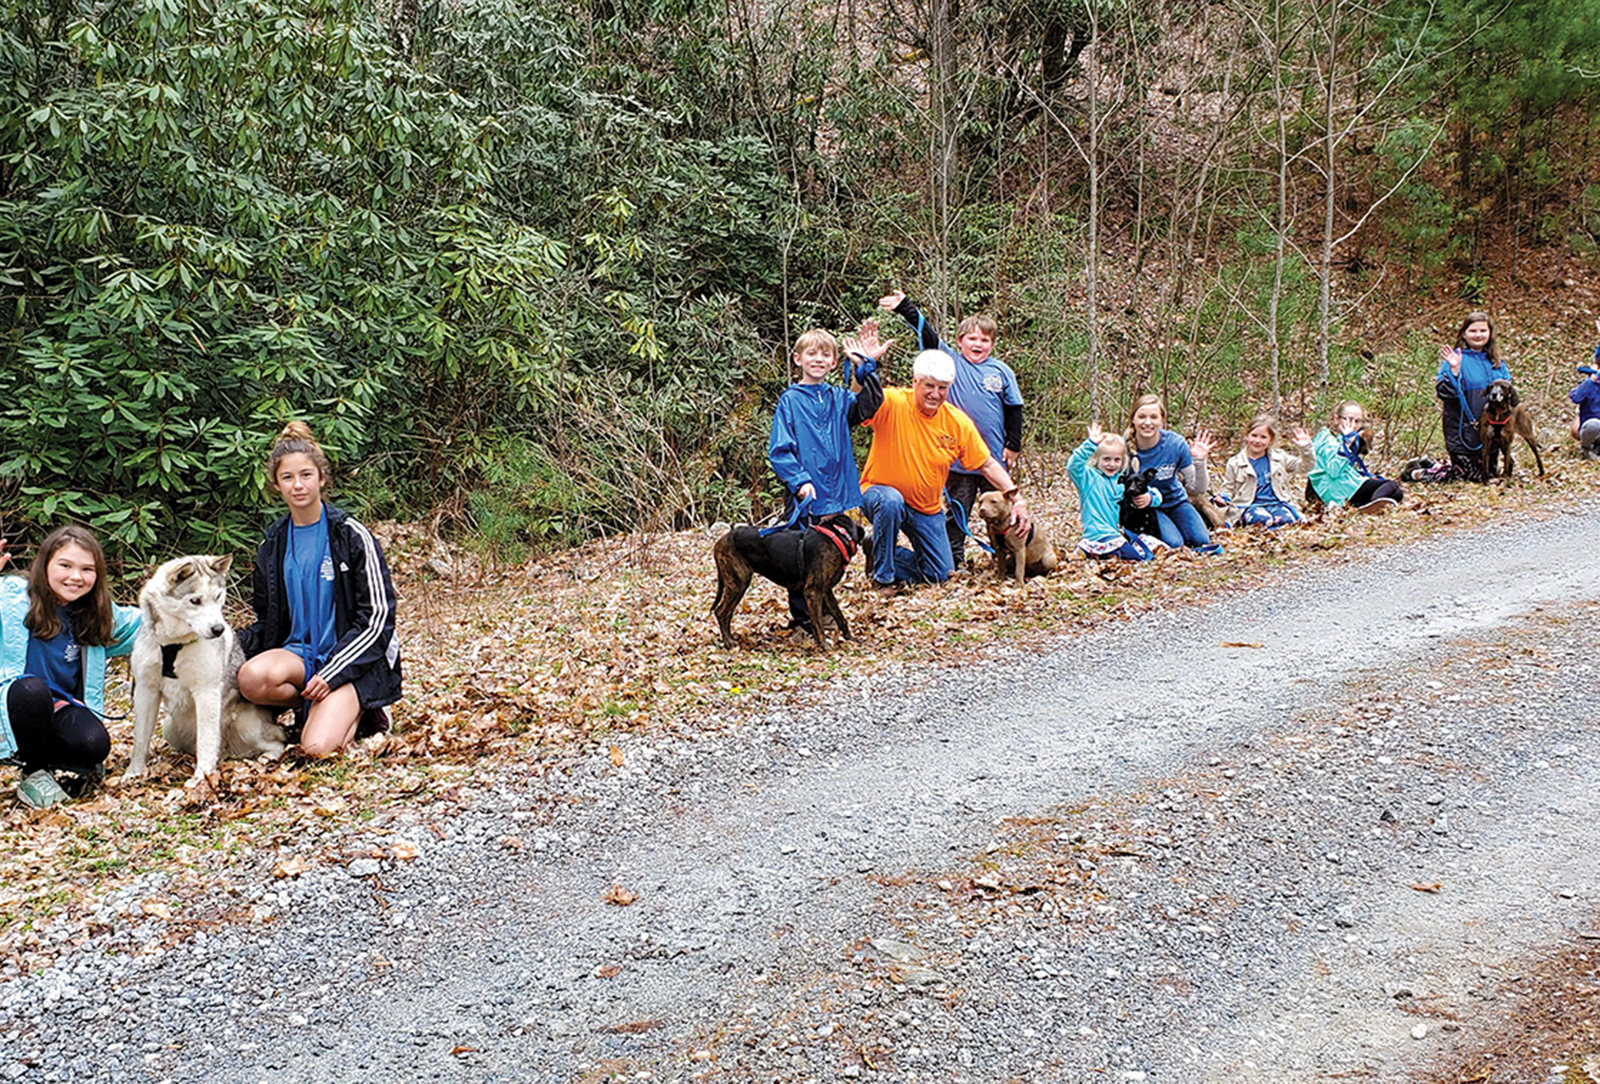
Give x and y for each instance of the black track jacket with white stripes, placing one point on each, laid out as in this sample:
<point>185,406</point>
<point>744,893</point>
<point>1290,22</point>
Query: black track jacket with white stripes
<point>366,652</point>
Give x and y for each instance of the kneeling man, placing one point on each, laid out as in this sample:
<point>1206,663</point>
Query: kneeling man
<point>916,436</point>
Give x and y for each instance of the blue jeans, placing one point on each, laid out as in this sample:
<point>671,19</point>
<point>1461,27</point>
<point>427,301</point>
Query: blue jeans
<point>927,561</point>
<point>1181,525</point>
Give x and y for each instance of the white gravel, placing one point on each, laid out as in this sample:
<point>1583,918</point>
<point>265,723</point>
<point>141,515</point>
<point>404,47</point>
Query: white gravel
<point>1239,830</point>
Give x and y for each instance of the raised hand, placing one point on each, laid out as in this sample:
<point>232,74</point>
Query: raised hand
<point>1302,439</point>
<point>1200,447</point>
<point>1452,358</point>
<point>891,301</point>
<point>4,556</point>
<point>1096,434</point>
<point>865,341</point>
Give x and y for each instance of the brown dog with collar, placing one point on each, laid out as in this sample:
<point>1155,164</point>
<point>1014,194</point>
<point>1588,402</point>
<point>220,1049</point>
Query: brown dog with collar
<point>1504,417</point>
<point>812,559</point>
<point>1033,557</point>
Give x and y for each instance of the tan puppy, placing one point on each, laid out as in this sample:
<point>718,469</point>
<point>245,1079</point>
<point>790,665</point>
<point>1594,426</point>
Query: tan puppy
<point>1035,557</point>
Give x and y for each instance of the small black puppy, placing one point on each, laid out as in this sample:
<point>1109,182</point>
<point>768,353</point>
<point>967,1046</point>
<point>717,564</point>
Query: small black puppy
<point>1137,520</point>
<point>813,560</point>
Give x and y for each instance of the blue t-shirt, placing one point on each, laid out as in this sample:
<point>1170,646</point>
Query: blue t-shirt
<point>58,660</point>
<point>1587,397</point>
<point>308,583</point>
<point>1169,456</point>
<point>1264,491</point>
<point>981,392</point>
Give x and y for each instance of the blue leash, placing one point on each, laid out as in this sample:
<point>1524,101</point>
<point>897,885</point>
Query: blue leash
<point>959,514</point>
<point>852,372</point>
<point>794,518</point>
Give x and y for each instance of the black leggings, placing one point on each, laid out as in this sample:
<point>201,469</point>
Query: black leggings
<point>51,737</point>
<point>1375,489</point>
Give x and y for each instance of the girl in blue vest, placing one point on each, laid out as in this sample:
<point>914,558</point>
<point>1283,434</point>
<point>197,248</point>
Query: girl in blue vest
<point>1465,372</point>
<point>57,628</point>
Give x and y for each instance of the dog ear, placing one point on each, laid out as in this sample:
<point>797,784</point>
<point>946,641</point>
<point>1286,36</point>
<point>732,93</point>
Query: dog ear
<point>1511,395</point>
<point>1149,475</point>
<point>180,574</point>
<point>220,565</point>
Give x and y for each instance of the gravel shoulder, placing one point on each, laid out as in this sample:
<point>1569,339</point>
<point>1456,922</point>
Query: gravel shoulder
<point>1156,852</point>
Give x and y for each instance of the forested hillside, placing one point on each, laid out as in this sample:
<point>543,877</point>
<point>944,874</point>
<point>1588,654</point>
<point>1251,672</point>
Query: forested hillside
<point>534,268</point>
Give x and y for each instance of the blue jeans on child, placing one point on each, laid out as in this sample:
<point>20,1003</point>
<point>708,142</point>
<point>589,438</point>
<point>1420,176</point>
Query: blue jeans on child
<point>1181,525</point>
<point>927,561</point>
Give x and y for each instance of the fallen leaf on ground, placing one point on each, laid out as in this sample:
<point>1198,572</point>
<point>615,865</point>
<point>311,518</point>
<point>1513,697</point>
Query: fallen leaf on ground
<point>294,867</point>
<point>618,896</point>
<point>616,756</point>
<point>156,909</point>
<point>1241,643</point>
<point>1427,887</point>
<point>405,851</point>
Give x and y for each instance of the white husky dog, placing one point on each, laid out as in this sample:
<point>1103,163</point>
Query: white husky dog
<point>186,654</point>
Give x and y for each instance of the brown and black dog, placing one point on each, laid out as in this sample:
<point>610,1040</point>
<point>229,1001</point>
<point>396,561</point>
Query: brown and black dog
<point>812,560</point>
<point>1033,557</point>
<point>1504,417</point>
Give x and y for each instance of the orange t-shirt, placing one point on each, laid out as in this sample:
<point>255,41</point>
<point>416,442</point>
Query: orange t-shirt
<point>912,452</point>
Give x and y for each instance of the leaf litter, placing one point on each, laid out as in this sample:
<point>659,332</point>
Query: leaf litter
<point>539,665</point>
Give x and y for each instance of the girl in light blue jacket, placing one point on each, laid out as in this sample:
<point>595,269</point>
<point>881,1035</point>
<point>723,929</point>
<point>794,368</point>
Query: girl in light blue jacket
<point>1096,470</point>
<point>57,628</point>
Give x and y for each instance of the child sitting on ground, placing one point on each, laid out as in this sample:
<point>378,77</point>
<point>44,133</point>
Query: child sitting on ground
<point>809,448</point>
<point>1262,482</point>
<point>1586,397</point>
<point>1340,476</point>
<point>1095,469</point>
<point>985,390</point>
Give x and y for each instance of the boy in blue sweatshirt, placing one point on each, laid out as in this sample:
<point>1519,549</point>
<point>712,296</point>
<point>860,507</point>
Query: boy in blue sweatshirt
<point>809,448</point>
<point>985,390</point>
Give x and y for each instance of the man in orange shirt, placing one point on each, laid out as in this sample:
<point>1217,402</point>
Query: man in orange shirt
<point>916,436</point>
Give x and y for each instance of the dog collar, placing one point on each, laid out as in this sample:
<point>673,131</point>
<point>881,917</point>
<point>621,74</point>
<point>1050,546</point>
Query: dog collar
<point>846,544</point>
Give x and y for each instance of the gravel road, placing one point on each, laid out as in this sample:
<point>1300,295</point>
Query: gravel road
<point>1313,830</point>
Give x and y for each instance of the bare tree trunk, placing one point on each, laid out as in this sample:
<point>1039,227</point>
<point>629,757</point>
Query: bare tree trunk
<point>941,94</point>
<point>1280,225</point>
<point>1330,144</point>
<point>1092,72</point>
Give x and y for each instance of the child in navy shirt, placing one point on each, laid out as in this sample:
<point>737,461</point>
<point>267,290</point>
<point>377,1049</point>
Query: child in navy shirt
<point>809,448</point>
<point>1180,470</point>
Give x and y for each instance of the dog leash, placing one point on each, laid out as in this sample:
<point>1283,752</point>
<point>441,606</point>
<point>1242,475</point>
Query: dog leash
<point>959,514</point>
<point>794,518</point>
<point>853,372</point>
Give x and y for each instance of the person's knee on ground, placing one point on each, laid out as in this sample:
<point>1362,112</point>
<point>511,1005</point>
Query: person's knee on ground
<point>1589,438</point>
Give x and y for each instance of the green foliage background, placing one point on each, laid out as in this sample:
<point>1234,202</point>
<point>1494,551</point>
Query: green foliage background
<point>533,267</point>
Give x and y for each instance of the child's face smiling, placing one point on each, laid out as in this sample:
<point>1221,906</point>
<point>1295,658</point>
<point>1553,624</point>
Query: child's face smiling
<point>71,572</point>
<point>975,345</point>
<point>815,363</point>
<point>1477,334</point>
<point>1257,441</point>
<point>1111,463</point>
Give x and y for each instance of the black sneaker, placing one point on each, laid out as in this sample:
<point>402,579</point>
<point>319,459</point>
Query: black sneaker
<point>374,721</point>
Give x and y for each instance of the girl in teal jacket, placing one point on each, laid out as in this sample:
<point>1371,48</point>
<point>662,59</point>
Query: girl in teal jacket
<point>57,628</point>
<point>1340,476</point>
